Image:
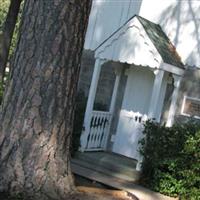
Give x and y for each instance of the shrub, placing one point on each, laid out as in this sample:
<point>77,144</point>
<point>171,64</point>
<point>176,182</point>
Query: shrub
<point>172,159</point>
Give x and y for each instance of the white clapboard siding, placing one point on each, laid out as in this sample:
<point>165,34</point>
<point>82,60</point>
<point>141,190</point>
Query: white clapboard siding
<point>106,17</point>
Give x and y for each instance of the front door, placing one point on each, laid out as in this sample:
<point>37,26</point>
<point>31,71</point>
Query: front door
<point>134,111</point>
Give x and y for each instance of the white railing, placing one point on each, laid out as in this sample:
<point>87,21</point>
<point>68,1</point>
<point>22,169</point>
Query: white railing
<point>135,116</point>
<point>99,130</point>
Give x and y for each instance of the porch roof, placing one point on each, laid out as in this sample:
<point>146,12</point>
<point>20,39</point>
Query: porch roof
<point>140,42</point>
<point>162,43</point>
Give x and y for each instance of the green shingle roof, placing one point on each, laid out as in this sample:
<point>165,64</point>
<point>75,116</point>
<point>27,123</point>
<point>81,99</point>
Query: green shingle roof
<point>162,43</point>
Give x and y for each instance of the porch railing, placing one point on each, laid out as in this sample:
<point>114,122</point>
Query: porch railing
<point>99,129</point>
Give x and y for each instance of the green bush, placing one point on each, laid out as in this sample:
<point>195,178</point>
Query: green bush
<point>172,159</point>
<point>4,5</point>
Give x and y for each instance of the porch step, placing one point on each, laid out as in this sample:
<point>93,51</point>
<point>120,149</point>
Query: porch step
<point>138,191</point>
<point>106,156</point>
<point>115,172</point>
<point>110,161</point>
<point>99,177</point>
<point>107,164</point>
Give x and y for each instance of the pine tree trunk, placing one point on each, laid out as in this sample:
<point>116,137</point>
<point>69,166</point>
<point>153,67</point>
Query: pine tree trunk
<point>7,33</point>
<point>37,112</point>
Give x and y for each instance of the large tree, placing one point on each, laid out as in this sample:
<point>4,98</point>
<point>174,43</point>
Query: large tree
<point>36,116</point>
<point>7,34</point>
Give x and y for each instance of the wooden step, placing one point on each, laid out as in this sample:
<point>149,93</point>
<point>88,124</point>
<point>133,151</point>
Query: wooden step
<point>99,177</point>
<point>113,163</point>
<point>107,157</point>
<point>115,172</point>
<point>132,188</point>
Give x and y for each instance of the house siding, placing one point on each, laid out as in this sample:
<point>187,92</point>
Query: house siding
<point>180,21</point>
<point>106,17</point>
<point>190,86</point>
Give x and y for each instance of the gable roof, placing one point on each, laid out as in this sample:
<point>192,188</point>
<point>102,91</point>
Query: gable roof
<point>140,42</point>
<point>162,43</point>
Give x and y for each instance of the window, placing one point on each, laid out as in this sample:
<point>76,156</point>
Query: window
<point>191,107</point>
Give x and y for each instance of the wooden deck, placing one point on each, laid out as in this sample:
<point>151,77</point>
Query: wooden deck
<point>104,167</point>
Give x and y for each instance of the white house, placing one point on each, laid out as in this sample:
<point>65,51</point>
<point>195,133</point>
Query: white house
<point>139,63</point>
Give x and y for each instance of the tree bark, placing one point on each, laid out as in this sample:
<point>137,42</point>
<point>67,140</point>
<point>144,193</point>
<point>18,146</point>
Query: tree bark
<point>7,33</point>
<point>37,111</point>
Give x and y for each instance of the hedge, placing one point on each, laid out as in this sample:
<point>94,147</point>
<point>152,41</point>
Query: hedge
<point>171,162</point>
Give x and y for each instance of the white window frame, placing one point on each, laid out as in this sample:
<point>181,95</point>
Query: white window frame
<point>183,106</point>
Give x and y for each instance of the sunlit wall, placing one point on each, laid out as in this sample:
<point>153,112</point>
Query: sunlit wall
<point>180,19</point>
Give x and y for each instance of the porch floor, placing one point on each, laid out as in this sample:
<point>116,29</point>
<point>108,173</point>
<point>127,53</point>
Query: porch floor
<point>105,167</point>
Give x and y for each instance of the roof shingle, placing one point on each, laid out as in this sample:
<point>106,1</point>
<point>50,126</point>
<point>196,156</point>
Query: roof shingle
<point>162,43</point>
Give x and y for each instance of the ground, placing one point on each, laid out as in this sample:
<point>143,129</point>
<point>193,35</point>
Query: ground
<point>86,193</point>
<point>104,194</point>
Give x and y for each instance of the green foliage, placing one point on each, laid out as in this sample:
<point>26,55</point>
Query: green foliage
<point>4,6</point>
<point>172,159</point>
<point>16,31</point>
<point>78,121</point>
<point>2,86</point>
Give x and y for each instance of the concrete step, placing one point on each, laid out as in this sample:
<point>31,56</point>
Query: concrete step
<point>132,176</point>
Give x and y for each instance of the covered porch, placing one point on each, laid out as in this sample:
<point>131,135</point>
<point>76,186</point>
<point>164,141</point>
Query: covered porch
<point>142,53</point>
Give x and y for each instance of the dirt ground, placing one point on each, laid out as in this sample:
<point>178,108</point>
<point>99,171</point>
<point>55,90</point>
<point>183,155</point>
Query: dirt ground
<point>91,190</point>
<point>97,197</point>
<point>89,193</point>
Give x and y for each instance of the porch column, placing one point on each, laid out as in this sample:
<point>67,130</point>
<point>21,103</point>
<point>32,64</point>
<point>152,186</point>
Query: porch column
<point>159,74</point>
<point>118,72</point>
<point>172,109</point>
<point>90,102</point>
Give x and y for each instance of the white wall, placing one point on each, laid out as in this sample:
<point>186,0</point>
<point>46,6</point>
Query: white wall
<point>106,17</point>
<point>180,19</point>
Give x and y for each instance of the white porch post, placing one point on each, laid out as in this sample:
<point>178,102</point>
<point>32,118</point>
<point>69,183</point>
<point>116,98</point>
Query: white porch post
<point>172,109</point>
<point>118,72</point>
<point>90,102</point>
<point>159,74</point>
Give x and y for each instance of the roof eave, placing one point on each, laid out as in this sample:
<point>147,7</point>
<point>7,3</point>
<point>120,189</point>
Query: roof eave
<point>172,68</point>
